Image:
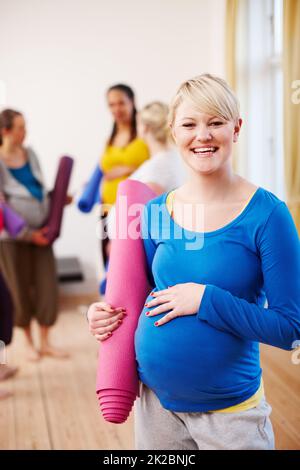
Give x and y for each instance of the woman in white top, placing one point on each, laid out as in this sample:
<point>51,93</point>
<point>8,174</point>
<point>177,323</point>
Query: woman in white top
<point>164,170</point>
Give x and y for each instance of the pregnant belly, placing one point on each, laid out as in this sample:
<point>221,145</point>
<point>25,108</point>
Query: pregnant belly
<point>187,359</point>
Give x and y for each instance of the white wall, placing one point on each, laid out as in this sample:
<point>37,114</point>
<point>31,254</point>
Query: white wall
<point>59,56</point>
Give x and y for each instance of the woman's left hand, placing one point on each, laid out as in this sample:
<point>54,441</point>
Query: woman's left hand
<point>179,300</point>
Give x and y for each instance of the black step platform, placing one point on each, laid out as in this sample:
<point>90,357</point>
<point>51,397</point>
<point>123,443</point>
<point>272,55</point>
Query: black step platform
<point>69,269</point>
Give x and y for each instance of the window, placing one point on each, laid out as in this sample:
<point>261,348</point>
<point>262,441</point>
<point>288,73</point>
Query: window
<point>260,88</point>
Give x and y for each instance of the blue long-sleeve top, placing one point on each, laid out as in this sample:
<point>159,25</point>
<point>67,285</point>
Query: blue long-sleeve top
<point>210,360</point>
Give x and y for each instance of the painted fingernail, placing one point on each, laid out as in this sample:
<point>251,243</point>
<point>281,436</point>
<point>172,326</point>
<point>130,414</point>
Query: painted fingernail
<point>151,293</point>
<point>146,305</point>
<point>147,313</point>
<point>109,333</point>
<point>156,323</point>
<point>119,321</point>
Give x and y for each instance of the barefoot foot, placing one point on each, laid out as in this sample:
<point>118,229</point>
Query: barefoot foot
<point>5,394</point>
<point>32,354</point>
<point>52,351</point>
<point>6,372</point>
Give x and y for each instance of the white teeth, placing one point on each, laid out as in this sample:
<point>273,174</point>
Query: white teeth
<point>204,149</point>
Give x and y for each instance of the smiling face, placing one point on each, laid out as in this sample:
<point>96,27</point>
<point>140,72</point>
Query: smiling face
<point>16,135</point>
<point>204,141</point>
<point>120,105</point>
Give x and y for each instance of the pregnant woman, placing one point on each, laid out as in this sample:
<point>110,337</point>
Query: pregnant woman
<point>229,247</point>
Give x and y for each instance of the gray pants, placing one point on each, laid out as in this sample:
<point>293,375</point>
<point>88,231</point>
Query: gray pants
<point>159,428</point>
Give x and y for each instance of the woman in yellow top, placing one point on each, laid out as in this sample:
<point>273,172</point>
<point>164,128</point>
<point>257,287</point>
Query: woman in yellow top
<point>124,151</point>
<point>123,154</point>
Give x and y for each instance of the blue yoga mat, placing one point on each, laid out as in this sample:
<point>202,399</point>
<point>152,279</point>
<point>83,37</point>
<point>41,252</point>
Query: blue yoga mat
<point>90,195</point>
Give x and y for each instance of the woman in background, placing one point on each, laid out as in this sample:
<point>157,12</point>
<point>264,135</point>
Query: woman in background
<point>164,169</point>
<point>27,263</point>
<point>124,151</point>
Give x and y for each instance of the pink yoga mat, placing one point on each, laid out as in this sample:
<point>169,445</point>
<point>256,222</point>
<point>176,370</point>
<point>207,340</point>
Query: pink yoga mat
<point>127,286</point>
<point>58,198</point>
<point>115,405</point>
<point>105,399</point>
<point>107,393</point>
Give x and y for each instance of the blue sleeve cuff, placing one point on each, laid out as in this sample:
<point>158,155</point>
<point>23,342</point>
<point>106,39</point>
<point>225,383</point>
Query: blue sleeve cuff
<point>206,303</point>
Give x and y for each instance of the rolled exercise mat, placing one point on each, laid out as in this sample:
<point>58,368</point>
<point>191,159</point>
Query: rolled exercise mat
<point>12,221</point>
<point>58,198</point>
<point>127,286</point>
<point>6,313</point>
<point>90,195</point>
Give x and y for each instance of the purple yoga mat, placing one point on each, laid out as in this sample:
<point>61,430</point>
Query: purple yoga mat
<point>12,221</point>
<point>58,198</point>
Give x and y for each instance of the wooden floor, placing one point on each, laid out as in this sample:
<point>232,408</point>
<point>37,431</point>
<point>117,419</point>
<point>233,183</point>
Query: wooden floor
<point>54,404</point>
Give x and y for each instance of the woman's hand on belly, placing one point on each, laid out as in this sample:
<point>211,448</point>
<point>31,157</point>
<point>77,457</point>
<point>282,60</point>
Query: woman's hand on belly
<point>178,300</point>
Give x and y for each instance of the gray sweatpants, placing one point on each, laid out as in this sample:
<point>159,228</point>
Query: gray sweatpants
<point>159,428</point>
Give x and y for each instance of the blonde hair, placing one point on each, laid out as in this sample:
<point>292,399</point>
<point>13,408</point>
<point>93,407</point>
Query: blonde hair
<point>155,116</point>
<point>208,93</point>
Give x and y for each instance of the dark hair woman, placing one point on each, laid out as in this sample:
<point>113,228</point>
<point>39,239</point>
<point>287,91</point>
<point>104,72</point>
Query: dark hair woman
<point>124,151</point>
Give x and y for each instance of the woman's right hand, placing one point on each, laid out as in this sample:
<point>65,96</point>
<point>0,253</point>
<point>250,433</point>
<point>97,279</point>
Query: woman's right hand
<point>104,319</point>
<point>38,237</point>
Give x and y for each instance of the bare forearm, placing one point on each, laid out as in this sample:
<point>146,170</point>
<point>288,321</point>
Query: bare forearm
<point>118,172</point>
